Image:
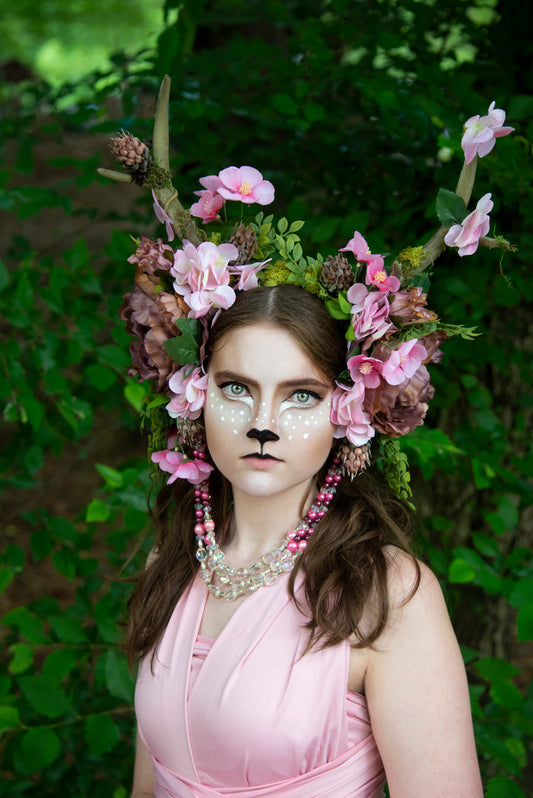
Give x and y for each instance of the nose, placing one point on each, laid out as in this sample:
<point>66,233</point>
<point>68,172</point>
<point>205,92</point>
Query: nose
<point>262,435</point>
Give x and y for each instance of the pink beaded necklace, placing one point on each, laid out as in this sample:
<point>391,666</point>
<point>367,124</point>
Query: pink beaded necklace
<point>231,583</point>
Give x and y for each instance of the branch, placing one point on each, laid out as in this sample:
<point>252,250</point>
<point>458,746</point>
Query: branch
<point>436,246</point>
<point>182,222</point>
<point>120,177</point>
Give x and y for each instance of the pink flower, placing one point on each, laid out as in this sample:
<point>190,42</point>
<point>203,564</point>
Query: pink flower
<point>247,274</point>
<point>467,234</point>
<point>348,415</point>
<point>403,362</point>
<point>202,276</point>
<point>245,184</point>
<point>377,276</point>
<point>181,467</point>
<point>189,387</point>
<point>360,249</point>
<point>366,370</point>
<point>207,207</point>
<point>481,133</point>
<point>397,409</point>
<point>163,217</point>
<point>370,312</point>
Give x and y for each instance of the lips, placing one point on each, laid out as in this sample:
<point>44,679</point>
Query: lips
<point>257,456</point>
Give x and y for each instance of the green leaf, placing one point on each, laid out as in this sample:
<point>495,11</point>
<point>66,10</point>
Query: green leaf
<point>113,478</point>
<point>97,511</point>
<point>135,393</point>
<point>64,563</point>
<point>503,787</point>
<point>118,677</point>
<point>45,696</point>
<point>105,617</point>
<point>182,349</point>
<point>41,544</point>
<point>102,734</point>
<point>344,305</point>
<point>283,225</point>
<point>525,624</point>
<point>334,309</point>
<point>6,577</point>
<point>40,747</point>
<point>491,669</point>
<point>59,663</point>
<point>461,571</point>
<point>506,694</point>
<point>68,630</point>
<point>451,209</point>
<point>22,657</point>
<point>9,718</point>
<point>28,624</point>
<point>100,377</point>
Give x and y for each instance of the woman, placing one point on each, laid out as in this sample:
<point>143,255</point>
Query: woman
<point>332,669</point>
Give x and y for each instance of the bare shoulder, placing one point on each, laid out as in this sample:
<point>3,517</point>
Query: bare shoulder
<point>412,586</point>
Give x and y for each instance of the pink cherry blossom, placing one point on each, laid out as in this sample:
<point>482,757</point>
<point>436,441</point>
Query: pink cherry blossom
<point>181,467</point>
<point>467,234</point>
<point>403,362</point>
<point>360,249</point>
<point>163,217</point>
<point>188,386</point>
<point>377,276</point>
<point>348,415</point>
<point>202,276</point>
<point>481,133</point>
<point>245,184</point>
<point>370,312</point>
<point>207,207</point>
<point>366,370</point>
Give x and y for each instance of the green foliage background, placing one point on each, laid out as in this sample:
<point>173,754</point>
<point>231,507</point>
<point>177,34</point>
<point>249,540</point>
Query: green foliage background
<point>354,110</point>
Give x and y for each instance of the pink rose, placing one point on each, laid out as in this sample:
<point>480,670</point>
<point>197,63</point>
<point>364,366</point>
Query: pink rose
<point>481,133</point>
<point>181,467</point>
<point>467,234</point>
<point>189,387</point>
<point>245,184</point>
<point>202,276</point>
<point>207,207</point>
<point>403,362</point>
<point>348,415</point>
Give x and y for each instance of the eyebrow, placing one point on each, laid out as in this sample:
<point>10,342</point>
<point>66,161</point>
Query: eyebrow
<point>307,381</point>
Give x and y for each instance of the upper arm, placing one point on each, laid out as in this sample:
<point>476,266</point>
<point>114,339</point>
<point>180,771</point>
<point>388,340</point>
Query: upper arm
<point>143,772</point>
<point>418,697</point>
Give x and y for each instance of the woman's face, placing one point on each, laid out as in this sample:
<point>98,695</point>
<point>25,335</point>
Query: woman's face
<point>261,380</point>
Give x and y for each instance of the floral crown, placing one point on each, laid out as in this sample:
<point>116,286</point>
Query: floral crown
<point>391,333</point>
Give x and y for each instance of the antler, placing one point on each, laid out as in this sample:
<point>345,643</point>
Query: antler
<point>165,192</point>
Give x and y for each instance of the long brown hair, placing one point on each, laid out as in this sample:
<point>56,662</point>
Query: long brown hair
<point>345,562</point>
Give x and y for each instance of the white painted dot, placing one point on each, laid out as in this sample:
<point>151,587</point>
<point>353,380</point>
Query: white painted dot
<point>307,423</point>
<point>290,437</point>
<point>306,435</point>
<point>222,418</point>
<point>235,432</point>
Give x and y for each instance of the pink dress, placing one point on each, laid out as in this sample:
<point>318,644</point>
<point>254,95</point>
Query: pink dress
<point>247,716</point>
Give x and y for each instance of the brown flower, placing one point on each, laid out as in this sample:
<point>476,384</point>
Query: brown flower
<point>153,256</point>
<point>409,305</point>
<point>397,409</point>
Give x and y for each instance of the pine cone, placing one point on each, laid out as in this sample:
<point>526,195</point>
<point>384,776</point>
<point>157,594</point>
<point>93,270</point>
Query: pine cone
<point>336,274</point>
<point>244,238</point>
<point>133,155</point>
<point>354,459</point>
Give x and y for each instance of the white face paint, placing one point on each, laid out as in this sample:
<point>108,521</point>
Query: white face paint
<point>260,379</point>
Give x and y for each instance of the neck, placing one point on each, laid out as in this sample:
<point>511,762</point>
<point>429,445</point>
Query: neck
<point>260,523</point>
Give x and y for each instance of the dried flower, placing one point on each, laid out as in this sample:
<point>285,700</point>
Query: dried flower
<point>337,274</point>
<point>133,155</point>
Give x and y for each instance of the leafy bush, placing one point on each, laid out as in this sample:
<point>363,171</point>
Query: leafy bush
<point>353,110</point>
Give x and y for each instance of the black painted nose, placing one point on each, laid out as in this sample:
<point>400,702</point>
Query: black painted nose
<point>262,435</point>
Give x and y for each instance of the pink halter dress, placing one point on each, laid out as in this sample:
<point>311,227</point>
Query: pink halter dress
<point>246,715</point>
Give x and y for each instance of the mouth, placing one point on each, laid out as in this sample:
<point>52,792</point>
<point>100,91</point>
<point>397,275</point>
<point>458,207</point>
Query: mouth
<point>258,456</point>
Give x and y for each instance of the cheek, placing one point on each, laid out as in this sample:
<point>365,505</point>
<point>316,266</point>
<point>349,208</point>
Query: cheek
<point>306,425</point>
<point>226,416</point>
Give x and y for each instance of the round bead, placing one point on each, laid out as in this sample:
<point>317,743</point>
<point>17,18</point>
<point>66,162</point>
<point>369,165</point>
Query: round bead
<point>321,513</point>
<point>292,546</point>
<point>209,525</point>
<point>320,497</point>
<point>302,545</point>
<point>312,515</point>
<point>329,479</point>
<point>199,513</point>
<point>329,496</point>
<point>199,529</point>
<point>205,496</point>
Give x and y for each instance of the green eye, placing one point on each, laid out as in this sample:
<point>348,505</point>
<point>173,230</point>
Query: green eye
<point>235,389</point>
<point>302,396</point>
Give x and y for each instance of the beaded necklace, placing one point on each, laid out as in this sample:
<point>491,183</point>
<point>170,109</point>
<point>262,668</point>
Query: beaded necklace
<point>231,583</point>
